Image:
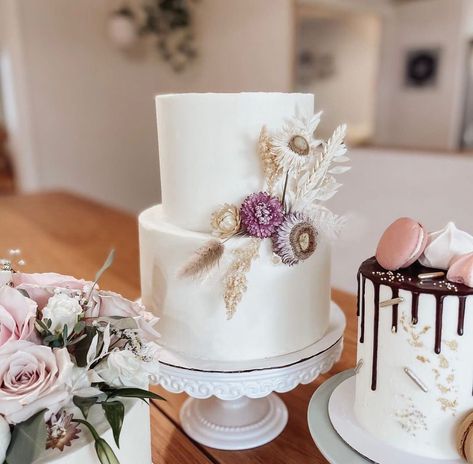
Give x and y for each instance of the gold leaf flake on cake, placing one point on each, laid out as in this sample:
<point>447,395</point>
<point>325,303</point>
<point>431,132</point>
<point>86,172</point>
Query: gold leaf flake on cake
<point>443,389</point>
<point>448,405</point>
<point>423,359</point>
<point>415,336</point>
<point>452,344</point>
<point>235,281</point>
<point>443,362</point>
<point>451,378</point>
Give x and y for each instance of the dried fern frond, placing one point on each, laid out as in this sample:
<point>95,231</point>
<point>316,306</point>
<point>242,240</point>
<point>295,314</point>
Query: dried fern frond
<point>271,168</point>
<point>235,281</point>
<point>203,260</point>
<point>318,184</point>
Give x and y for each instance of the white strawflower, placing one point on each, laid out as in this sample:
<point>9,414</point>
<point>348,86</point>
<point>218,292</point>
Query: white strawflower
<point>62,310</point>
<point>294,146</point>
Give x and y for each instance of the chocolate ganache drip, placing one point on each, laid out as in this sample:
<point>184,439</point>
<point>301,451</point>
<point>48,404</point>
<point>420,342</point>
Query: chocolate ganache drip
<point>408,280</point>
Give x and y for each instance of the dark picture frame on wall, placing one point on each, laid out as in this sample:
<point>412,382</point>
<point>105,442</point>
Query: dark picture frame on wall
<point>422,67</point>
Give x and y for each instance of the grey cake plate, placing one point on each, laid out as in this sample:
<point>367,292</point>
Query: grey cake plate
<point>331,417</point>
<point>330,444</point>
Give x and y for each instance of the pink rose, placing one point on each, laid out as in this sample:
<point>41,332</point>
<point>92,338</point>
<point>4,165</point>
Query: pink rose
<point>109,304</point>
<point>33,378</point>
<point>40,287</point>
<point>17,315</point>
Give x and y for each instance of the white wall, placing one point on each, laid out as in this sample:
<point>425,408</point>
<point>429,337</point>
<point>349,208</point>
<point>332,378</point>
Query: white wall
<point>433,188</point>
<point>423,118</point>
<point>348,95</point>
<point>91,108</point>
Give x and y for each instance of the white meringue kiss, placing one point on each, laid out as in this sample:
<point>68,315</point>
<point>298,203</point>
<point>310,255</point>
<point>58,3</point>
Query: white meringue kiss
<point>446,245</point>
<point>461,270</point>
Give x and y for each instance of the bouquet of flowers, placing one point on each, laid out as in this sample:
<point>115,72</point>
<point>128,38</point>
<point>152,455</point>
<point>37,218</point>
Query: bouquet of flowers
<point>67,346</point>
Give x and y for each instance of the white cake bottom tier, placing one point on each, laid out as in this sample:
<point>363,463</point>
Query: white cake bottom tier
<point>283,310</point>
<point>398,411</point>
<point>135,438</point>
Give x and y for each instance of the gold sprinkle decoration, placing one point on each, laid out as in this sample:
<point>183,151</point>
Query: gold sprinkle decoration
<point>431,275</point>
<point>235,281</point>
<point>416,380</point>
<point>422,359</point>
<point>391,302</point>
<point>359,366</point>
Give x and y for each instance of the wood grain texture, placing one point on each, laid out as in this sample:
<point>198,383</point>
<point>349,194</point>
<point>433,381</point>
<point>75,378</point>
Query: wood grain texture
<point>67,234</point>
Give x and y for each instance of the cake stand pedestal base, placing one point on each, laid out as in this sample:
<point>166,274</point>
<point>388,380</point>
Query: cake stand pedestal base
<point>232,404</point>
<point>236,424</point>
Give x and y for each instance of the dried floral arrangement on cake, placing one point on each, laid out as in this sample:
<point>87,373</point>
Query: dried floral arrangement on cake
<point>67,346</point>
<point>299,176</point>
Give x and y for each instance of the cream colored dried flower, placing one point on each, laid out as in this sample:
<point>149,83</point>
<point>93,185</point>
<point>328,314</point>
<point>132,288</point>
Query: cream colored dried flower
<point>226,221</point>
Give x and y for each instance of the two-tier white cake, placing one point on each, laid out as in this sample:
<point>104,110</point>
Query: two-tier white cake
<point>208,152</point>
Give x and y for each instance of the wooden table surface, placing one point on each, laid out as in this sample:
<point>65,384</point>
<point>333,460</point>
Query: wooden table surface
<point>63,233</point>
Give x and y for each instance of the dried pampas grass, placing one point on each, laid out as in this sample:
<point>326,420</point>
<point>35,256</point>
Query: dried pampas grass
<point>203,260</point>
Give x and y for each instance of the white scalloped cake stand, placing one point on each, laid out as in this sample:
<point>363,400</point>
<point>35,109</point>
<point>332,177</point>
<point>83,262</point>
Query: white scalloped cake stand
<point>232,404</point>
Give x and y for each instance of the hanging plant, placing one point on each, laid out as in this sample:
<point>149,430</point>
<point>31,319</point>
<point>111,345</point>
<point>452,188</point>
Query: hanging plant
<point>170,21</point>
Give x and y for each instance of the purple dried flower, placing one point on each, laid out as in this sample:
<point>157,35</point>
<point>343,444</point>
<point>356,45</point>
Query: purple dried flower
<point>296,239</point>
<point>261,214</point>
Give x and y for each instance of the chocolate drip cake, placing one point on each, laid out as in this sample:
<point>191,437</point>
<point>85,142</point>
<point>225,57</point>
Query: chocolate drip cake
<point>414,384</point>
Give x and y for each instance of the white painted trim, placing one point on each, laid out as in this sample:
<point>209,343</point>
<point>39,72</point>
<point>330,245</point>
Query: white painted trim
<point>17,105</point>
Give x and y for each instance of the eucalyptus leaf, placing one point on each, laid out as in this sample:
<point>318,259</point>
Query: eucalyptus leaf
<point>84,403</point>
<point>102,448</point>
<point>79,327</point>
<point>120,323</point>
<point>115,413</point>
<point>81,348</point>
<point>134,393</point>
<point>28,440</point>
<point>105,452</point>
<point>23,292</point>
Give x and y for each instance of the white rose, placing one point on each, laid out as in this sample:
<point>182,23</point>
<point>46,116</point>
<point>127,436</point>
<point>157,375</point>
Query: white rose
<point>124,369</point>
<point>62,310</point>
<point>5,437</point>
<point>32,378</point>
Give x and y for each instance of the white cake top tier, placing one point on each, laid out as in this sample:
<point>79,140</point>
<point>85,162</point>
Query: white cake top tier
<point>207,146</point>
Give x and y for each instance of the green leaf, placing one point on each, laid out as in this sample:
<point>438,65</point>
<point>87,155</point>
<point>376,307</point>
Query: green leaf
<point>102,448</point>
<point>79,327</point>
<point>119,322</point>
<point>84,404</point>
<point>28,440</point>
<point>82,347</point>
<point>23,292</point>
<point>64,333</point>
<point>105,453</point>
<point>134,393</point>
<point>115,413</point>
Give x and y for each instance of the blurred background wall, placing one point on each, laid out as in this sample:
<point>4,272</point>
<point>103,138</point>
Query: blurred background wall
<point>82,114</point>
<point>77,113</point>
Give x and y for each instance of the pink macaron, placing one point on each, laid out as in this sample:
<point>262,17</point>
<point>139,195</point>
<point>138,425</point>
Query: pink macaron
<point>461,270</point>
<point>401,244</point>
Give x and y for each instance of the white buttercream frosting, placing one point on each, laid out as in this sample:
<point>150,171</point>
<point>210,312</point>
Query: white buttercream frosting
<point>445,245</point>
